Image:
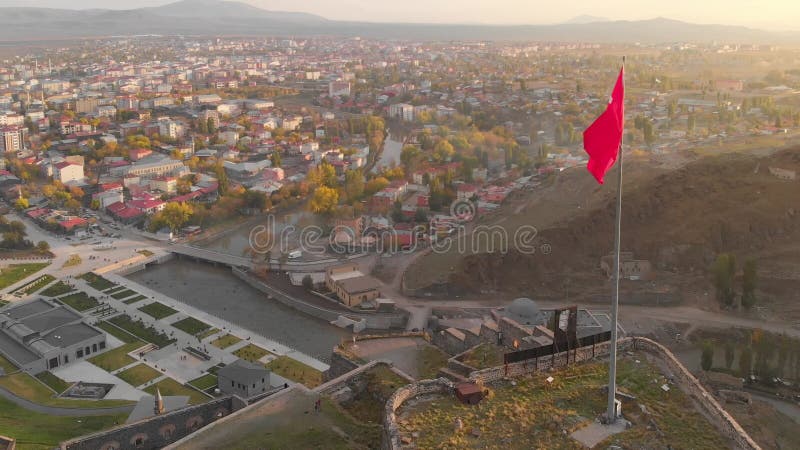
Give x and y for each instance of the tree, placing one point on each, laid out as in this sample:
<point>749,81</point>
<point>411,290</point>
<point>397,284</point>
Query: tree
<point>409,157</point>
<point>175,215</point>
<point>323,175</point>
<point>275,158</point>
<point>42,247</point>
<point>324,200</point>
<point>707,357</point>
<point>211,127</point>
<point>723,271</point>
<point>21,203</point>
<point>729,354</point>
<point>374,185</point>
<point>256,200</point>
<point>690,123</point>
<point>308,282</point>
<point>745,361</point>
<point>202,126</point>
<point>353,185</point>
<point>443,150</point>
<point>749,277</point>
<point>649,134</point>
<point>95,204</point>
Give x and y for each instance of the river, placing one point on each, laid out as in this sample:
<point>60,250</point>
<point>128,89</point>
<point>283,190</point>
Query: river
<point>216,291</point>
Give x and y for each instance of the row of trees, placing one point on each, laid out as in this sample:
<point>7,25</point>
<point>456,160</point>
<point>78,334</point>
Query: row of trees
<point>763,354</point>
<point>723,273</point>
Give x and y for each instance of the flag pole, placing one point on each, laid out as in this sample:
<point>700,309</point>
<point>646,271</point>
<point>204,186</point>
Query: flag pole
<point>611,413</point>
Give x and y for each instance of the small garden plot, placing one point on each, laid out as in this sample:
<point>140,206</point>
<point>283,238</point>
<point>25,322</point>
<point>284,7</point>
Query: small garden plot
<point>122,335</point>
<point>55,383</point>
<point>114,290</point>
<point>123,294</point>
<point>225,341</point>
<point>74,260</point>
<point>96,281</point>
<point>142,331</point>
<point>139,375</point>
<point>80,301</point>
<point>158,310</point>
<point>191,325</point>
<point>296,371</point>
<point>205,382</point>
<point>169,387</point>
<point>117,358</point>
<point>138,298</point>
<point>57,289</point>
<point>484,356</point>
<point>251,352</point>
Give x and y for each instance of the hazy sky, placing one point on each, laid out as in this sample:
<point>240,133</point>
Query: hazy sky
<point>777,14</point>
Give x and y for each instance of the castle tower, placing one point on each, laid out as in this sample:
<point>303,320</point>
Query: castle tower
<point>158,408</point>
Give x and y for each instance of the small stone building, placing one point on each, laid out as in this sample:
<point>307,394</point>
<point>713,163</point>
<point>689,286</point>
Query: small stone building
<point>244,379</point>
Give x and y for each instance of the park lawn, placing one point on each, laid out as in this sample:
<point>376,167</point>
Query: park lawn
<point>80,301</point>
<point>123,294</point>
<point>168,386</point>
<point>429,360</point>
<point>138,298</point>
<point>34,431</point>
<point>191,325</point>
<point>57,289</point>
<point>114,289</point>
<point>116,358</point>
<point>157,310</point>
<point>96,281</point>
<point>225,341</point>
<point>139,374</point>
<point>251,352</point>
<point>208,332</point>
<point>17,272</point>
<point>122,335</point>
<point>55,383</point>
<point>296,371</point>
<point>142,331</point>
<point>205,382</point>
<point>36,284</point>
<point>29,388</point>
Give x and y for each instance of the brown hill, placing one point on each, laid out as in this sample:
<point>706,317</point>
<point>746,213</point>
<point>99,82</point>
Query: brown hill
<point>679,220</point>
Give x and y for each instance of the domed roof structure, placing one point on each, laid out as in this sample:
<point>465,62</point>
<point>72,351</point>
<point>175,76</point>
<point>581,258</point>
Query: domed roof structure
<point>524,311</point>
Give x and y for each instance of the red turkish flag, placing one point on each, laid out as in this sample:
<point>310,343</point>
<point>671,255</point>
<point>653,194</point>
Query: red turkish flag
<point>603,137</point>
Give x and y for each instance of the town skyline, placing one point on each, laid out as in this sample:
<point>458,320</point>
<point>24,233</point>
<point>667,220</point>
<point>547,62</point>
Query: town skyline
<point>505,12</point>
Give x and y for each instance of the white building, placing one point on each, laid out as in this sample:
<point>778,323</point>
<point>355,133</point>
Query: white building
<point>66,172</point>
<point>338,88</point>
<point>402,111</point>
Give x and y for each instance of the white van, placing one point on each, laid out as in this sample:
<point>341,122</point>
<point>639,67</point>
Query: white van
<point>295,254</point>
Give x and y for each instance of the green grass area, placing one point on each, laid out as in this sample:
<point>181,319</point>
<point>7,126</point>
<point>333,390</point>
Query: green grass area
<point>296,371</point>
<point>17,272</point>
<point>157,310</point>
<point>139,374</point>
<point>73,260</point>
<point>96,281</point>
<point>55,383</point>
<point>429,360</point>
<point>368,406</point>
<point>484,356</point>
<point>4,303</point>
<point>36,284</point>
<point>34,431</point>
<point>535,414</point>
<point>168,386</point>
<point>133,300</point>
<point>123,294</point>
<point>57,289</point>
<point>29,388</point>
<point>6,365</point>
<point>116,358</point>
<point>145,252</point>
<point>142,331</point>
<point>191,325</point>
<point>225,341</point>
<point>122,335</point>
<point>80,301</point>
<point>251,352</point>
<point>114,290</point>
<point>205,382</point>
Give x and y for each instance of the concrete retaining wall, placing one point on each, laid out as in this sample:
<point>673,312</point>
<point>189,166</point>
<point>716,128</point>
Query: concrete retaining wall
<point>391,433</point>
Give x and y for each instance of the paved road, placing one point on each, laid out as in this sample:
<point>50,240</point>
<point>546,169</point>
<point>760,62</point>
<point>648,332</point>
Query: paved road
<point>56,411</point>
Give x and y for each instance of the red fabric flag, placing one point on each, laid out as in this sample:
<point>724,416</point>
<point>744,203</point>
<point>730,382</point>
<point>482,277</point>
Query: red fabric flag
<point>603,137</point>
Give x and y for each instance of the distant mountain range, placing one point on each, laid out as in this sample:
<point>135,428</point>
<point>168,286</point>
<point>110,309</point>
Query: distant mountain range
<point>217,17</point>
